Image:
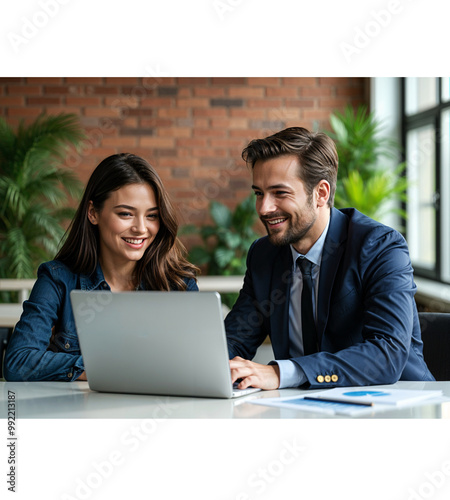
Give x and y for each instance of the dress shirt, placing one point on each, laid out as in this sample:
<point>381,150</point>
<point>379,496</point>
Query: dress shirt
<point>291,375</point>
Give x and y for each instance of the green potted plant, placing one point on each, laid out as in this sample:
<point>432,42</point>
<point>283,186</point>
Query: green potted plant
<point>364,182</point>
<point>34,191</point>
<point>226,241</point>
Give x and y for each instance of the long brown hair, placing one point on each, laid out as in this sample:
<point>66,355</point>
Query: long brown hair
<point>163,265</point>
<point>315,151</point>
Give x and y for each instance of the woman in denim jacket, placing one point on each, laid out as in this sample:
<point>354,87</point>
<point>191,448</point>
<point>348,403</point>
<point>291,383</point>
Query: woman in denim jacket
<point>123,237</point>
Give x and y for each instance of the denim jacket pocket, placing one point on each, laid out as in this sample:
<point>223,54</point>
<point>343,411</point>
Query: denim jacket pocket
<point>65,342</point>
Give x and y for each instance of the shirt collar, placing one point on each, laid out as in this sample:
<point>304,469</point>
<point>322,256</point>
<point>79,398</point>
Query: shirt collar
<point>315,252</point>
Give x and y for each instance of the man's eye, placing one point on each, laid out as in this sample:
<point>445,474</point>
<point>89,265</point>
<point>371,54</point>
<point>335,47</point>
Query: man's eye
<point>258,193</point>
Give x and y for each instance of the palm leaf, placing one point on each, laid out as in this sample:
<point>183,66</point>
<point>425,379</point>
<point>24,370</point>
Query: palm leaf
<point>34,190</point>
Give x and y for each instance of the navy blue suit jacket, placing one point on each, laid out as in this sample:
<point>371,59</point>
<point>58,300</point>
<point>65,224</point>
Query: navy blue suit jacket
<point>368,327</point>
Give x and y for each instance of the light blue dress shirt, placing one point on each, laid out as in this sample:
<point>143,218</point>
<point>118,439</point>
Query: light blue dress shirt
<point>291,375</point>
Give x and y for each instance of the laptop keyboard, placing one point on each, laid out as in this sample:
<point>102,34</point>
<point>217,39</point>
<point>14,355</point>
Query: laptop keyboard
<point>242,392</point>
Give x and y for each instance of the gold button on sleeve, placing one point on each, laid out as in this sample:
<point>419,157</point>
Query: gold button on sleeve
<point>334,378</point>
<point>327,378</point>
<point>320,379</point>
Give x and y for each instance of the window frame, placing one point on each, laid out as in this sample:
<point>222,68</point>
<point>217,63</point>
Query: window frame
<point>431,116</point>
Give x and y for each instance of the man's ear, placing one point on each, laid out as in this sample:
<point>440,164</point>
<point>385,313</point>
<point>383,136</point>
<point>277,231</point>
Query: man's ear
<point>322,191</point>
<point>92,214</point>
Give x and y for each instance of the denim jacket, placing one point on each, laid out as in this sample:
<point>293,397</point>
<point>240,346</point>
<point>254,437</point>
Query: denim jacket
<point>44,345</point>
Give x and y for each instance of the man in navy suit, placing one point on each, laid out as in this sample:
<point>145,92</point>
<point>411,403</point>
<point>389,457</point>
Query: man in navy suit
<point>332,288</point>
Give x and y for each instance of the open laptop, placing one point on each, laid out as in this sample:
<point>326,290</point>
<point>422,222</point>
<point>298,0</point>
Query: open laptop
<point>169,343</point>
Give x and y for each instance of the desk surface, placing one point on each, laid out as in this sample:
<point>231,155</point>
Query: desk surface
<point>76,400</point>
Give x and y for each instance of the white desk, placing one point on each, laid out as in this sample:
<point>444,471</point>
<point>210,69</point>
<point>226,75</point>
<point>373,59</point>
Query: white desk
<point>76,400</point>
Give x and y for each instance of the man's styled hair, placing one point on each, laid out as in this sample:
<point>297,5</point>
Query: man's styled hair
<point>315,151</point>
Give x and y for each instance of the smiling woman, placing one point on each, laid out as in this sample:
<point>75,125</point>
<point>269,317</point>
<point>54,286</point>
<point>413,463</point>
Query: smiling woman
<point>123,237</point>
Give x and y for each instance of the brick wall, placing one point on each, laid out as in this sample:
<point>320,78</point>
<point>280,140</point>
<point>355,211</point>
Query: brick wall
<point>191,129</point>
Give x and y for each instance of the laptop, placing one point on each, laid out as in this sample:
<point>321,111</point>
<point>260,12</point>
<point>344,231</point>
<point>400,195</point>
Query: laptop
<point>145,342</point>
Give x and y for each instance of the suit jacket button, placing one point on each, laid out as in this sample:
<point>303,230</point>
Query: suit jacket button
<point>334,378</point>
<point>320,379</point>
<point>327,378</point>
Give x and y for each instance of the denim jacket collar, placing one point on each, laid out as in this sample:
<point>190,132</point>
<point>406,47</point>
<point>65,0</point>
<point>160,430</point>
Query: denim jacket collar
<point>94,281</point>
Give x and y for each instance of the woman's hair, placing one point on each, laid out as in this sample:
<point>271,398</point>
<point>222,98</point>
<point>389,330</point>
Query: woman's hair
<point>163,265</point>
<point>316,153</point>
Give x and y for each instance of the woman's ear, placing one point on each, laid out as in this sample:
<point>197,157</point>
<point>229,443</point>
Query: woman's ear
<point>92,214</point>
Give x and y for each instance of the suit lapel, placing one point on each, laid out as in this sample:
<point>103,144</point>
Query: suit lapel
<point>280,290</point>
<point>331,256</point>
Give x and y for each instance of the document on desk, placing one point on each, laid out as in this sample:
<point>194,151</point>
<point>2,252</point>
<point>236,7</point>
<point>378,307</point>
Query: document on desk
<point>352,401</point>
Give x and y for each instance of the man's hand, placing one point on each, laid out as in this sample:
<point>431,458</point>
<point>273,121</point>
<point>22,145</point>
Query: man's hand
<point>254,375</point>
<point>82,377</point>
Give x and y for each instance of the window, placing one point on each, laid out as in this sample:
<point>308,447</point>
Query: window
<point>426,136</point>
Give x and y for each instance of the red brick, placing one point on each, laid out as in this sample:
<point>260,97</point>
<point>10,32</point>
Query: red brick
<point>113,80</point>
<point>157,142</point>
<point>156,102</point>
<point>24,112</point>
<point>228,81</point>
<point>350,91</point>
<point>12,101</point>
<point>315,92</point>
<point>173,113</point>
<point>44,81</point>
<point>83,80</point>
<point>102,111</point>
<point>299,103</point>
<point>316,114</point>
<point>263,81</point>
<point>299,82</point>
<point>83,101</point>
<point>333,102</point>
<point>246,91</point>
<point>193,102</point>
<point>226,143</point>
<point>208,132</point>
<point>210,112</point>
<point>229,123</point>
<point>254,114</point>
<point>209,92</point>
<point>58,89</point>
<point>192,81</point>
<point>264,103</point>
<point>281,91</point>
<point>42,101</point>
<point>127,142</point>
<point>120,101</point>
<point>24,89</point>
<point>192,142</point>
<point>175,132</point>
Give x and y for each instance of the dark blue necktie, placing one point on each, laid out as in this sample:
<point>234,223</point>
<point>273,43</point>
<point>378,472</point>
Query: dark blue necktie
<point>308,322</point>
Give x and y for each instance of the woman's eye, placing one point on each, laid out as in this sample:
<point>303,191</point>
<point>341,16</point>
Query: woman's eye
<point>125,214</point>
<point>153,216</point>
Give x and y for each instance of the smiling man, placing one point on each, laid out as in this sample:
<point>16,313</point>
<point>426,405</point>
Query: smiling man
<point>332,288</point>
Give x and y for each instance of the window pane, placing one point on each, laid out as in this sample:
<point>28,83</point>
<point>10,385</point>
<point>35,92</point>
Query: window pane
<point>421,223</point>
<point>445,194</point>
<point>421,94</point>
<point>446,89</point>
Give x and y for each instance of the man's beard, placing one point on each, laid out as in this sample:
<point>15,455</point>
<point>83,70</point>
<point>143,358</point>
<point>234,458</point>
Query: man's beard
<point>293,232</point>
